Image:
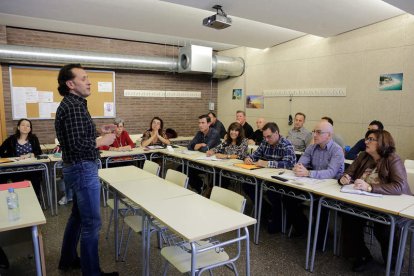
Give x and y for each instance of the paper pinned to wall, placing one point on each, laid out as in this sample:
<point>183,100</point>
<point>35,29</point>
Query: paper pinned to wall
<point>19,102</point>
<point>31,94</point>
<point>44,110</point>
<point>108,109</point>
<point>45,96</point>
<point>104,86</point>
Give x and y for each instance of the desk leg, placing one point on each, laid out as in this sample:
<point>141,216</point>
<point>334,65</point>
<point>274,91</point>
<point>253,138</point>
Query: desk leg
<point>390,245</point>
<point>193,259</point>
<point>246,230</point>
<point>308,242</point>
<point>116,206</point>
<point>259,215</point>
<point>35,237</point>
<point>49,190</point>
<point>315,238</point>
<point>401,248</point>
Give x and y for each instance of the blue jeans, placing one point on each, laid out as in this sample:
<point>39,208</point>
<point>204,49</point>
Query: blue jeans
<point>85,220</point>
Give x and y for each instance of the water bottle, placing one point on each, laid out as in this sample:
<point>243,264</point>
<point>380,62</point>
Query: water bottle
<point>13,205</point>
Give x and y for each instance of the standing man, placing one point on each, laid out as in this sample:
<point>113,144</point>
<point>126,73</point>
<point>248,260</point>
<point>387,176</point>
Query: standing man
<point>241,119</point>
<point>257,137</point>
<point>299,136</point>
<point>216,124</point>
<point>322,160</point>
<point>206,138</point>
<point>360,145</point>
<point>274,152</point>
<point>76,133</point>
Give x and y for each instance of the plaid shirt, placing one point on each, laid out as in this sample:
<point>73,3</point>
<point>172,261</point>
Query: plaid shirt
<point>75,130</point>
<point>281,155</point>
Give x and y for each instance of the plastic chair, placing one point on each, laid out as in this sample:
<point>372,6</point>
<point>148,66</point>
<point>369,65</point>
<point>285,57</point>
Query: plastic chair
<point>409,164</point>
<point>151,167</point>
<point>134,222</point>
<point>179,255</point>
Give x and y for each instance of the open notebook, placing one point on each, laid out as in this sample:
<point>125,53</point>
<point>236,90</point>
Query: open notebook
<point>350,190</point>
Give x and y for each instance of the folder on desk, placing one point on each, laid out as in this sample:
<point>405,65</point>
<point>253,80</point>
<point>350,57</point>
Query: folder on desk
<point>246,166</point>
<point>15,185</point>
<point>5,160</point>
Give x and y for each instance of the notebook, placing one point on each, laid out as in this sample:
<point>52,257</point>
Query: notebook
<point>16,185</point>
<point>246,166</point>
<point>350,190</point>
<point>5,160</point>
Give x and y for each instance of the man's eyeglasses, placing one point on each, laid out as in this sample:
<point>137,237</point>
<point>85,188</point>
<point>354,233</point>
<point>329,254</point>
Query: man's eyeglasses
<point>318,132</point>
<point>370,139</point>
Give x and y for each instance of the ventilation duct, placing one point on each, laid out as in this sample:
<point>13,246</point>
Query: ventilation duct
<point>222,67</point>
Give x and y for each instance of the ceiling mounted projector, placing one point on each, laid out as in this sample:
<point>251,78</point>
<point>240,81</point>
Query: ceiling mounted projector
<point>219,20</point>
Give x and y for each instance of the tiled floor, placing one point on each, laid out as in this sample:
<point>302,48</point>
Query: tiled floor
<point>275,255</point>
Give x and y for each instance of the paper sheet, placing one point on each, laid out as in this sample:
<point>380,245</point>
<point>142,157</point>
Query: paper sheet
<point>45,96</point>
<point>104,86</point>
<point>19,102</point>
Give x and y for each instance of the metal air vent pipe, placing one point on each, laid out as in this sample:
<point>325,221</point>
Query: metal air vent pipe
<point>223,67</point>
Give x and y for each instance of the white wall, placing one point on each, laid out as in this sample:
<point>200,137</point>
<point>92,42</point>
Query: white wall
<point>353,60</point>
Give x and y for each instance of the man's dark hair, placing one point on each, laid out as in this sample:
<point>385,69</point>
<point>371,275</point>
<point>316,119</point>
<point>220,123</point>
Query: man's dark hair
<point>378,124</point>
<point>66,74</point>
<point>241,111</point>
<point>302,114</point>
<point>206,117</point>
<point>212,113</point>
<point>328,119</point>
<point>272,126</point>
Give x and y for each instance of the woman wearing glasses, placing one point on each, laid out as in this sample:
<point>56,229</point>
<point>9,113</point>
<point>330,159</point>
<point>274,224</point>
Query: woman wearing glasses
<point>379,170</point>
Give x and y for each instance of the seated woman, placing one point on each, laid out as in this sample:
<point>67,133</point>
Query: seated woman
<point>155,136</point>
<point>234,147</point>
<point>379,170</point>
<point>23,144</point>
<point>122,139</point>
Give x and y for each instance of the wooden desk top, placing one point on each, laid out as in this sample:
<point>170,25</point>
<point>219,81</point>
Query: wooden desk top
<point>390,204</point>
<point>134,151</point>
<point>408,212</point>
<point>125,173</point>
<point>30,211</point>
<point>194,217</point>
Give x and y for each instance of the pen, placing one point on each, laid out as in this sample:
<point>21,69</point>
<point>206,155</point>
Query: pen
<point>282,172</point>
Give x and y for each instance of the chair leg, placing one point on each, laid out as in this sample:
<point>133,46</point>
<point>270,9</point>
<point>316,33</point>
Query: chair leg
<point>43,197</point>
<point>109,224</point>
<point>234,269</point>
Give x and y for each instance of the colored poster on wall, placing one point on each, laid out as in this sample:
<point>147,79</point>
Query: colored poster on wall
<point>237,94</point>
<point>388,82</point>
<point>256,102</point>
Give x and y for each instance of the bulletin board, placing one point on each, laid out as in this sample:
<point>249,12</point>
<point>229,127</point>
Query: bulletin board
<point>34,92</point>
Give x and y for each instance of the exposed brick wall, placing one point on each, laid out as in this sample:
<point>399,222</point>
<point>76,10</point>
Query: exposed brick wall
<point>180,114</point>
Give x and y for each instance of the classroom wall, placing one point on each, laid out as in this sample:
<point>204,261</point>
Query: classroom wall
<point>178,113</point>
<point>353,60</point>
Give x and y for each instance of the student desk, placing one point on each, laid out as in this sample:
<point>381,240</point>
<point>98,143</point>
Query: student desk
<point>302,189</point>
<point>58,165</point>
<point>47,148</point>
<point>377,209</point>
<point>31,215</point>
<point>194,218</point>
<point>30,165</point>
<point>408,226</point>
<point>141,189</point>
<point>135,154</point>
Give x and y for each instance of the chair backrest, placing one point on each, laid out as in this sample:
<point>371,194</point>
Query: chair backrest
<point>410,179</point>
<point>228,198</point>
<point>409,164</point>
<point>177,178</point>
<point>151,167</point>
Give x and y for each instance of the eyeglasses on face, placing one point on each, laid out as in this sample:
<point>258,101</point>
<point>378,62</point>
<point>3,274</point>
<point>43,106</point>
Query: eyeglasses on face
<point>370,139</point>
<point>318,132</point>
